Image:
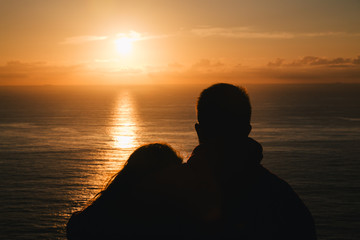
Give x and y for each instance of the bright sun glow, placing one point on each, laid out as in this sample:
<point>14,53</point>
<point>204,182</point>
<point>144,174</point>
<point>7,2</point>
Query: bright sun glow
<point>124,45</point>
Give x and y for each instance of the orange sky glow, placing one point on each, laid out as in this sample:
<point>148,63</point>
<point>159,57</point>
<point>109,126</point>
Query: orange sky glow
<point>90,42</point>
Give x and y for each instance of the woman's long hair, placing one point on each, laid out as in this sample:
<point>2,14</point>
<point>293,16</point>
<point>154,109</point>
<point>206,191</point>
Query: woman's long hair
<point>144,161</point>
<point>111,208</point>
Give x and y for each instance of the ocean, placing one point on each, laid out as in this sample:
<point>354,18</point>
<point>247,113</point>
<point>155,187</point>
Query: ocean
<point>59,146</point>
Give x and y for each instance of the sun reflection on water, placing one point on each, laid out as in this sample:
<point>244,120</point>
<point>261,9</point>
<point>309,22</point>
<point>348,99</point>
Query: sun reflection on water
<point>124,127</point>
<point>122,132</point>
<point>122,139</point>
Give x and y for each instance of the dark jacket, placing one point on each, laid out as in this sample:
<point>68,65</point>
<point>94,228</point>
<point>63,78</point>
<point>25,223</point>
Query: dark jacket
<point>253,203</point>
<point>101,220</point>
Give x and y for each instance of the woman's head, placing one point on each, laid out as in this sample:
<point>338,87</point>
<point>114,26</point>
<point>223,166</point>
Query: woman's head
<point>143,164</point>
<point>145,161</point>
<point>151,158</point>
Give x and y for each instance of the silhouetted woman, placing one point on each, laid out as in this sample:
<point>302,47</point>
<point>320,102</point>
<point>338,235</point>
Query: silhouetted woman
<point>113,214</point>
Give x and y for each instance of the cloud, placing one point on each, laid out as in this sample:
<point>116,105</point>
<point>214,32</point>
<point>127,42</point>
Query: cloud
<point>357,60</point>
<point>175,66</point>
<point>249,33</point>
<point>238,32</point>
<point>110,60</point>
<point>310,69</point>
<point>305,70</point>
<point>136,36</point>
<point>36,73</point>
<point>12,76</point>
<point>311,75</point>
<point>317,61</point>
<point>277,63</point>
<point>208,65</point>
<point>39,73</point>
<point>315,69</point>
<point>83,39</point>
<point>132,35</point>
<point>126,71</point>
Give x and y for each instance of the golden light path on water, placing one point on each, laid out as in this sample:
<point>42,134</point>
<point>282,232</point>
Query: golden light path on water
<point>121,135</point>
<point>122,141</point>
<point>123,131</point>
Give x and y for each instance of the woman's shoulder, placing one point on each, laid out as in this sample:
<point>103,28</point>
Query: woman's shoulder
<point>75,225</point>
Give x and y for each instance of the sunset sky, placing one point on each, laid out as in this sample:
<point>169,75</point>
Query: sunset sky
<point>116,42</point>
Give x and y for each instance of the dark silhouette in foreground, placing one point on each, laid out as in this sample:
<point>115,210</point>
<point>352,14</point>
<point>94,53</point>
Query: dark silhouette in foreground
<point>248,201</point>
<point>222,192</point>
<point>117,212</point>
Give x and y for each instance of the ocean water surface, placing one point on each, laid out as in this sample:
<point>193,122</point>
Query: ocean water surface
<point>59,146</point>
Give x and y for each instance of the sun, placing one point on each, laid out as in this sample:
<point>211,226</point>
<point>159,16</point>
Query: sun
<point>124,42</point>
<point>124,45</point>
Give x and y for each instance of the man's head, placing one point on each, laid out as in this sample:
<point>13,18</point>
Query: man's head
<point>223,112</point>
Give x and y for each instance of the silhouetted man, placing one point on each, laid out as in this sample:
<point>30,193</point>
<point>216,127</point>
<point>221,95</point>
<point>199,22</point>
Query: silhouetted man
<point>234,196</point>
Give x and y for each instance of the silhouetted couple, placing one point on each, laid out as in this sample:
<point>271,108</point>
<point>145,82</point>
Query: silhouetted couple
<point>222,192</point>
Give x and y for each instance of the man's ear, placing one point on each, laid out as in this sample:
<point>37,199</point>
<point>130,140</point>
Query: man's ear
<point>249,127</point>
<point>198,132</point>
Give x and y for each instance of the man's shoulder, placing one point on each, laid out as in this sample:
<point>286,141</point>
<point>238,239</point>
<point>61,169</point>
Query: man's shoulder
<point>272,181</point>
<point>276,192</point>
<point>272,189</point>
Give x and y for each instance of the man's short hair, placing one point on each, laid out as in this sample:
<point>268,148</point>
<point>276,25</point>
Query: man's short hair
<point>222,104</point>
